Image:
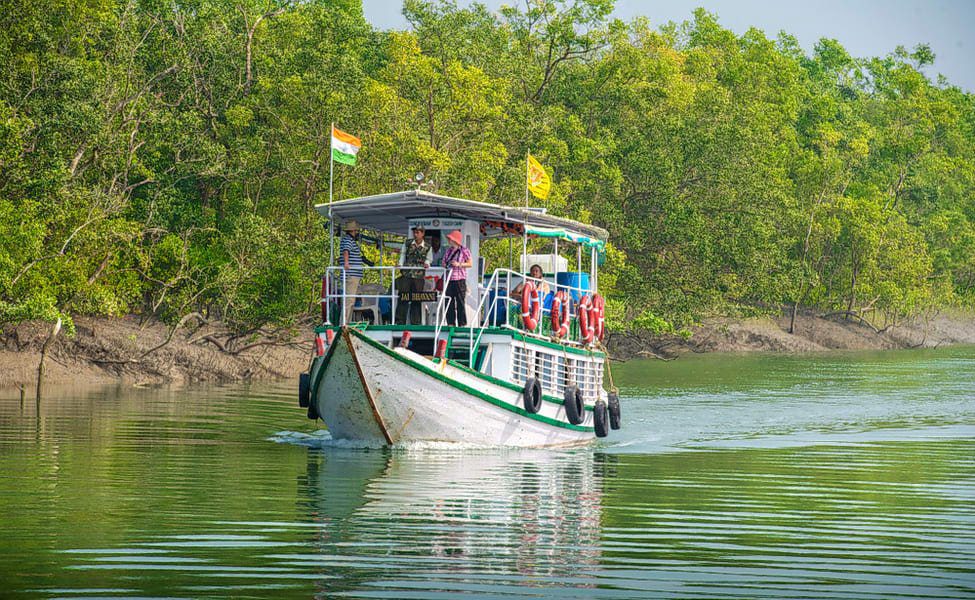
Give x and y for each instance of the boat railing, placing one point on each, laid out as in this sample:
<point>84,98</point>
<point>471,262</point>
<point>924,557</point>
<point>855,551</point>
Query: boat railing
<point>336,286</point>
<point>475,340</point>
<point>443,305</point>
<point>495,297</point>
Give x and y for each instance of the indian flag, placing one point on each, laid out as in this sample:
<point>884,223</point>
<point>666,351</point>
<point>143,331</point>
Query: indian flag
<point>344,146</point>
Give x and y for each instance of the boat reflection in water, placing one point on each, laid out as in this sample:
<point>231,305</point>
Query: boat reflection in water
<point>403,520</point>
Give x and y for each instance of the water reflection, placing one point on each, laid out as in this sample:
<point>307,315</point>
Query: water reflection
<point>431,515</point>
<point>835,477</point>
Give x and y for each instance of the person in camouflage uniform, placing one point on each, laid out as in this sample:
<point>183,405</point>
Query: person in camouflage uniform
<point>416,253</point>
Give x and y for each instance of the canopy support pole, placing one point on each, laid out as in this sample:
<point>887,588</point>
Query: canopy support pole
<point>511,252</point>
<point>593,269</point>
<point>555,267</point>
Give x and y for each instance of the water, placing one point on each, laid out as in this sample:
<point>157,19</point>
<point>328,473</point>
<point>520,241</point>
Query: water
<point>834,476</point>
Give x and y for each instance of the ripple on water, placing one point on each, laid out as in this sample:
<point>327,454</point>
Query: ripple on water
<point>771,477</point>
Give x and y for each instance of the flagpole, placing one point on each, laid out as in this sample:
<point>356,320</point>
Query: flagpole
<point>331,226</point>
<point>524,236</point>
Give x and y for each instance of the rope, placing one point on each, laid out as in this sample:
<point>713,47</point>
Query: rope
<point>609,366</point>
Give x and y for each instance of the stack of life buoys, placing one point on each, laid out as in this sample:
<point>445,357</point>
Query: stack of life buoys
<point>592,318</point>
<point>592,326</point>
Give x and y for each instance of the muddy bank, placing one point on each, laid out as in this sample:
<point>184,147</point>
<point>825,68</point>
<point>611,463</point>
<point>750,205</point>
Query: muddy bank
<point>108,350</point>
<point>122,350</point>
<point>812,334</point>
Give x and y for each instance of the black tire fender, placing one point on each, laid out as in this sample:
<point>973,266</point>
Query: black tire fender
<point>575,407</point>
<point>614,410</point>
<point>600,418</point>
<point>304,390</point>
<point>532,393</point>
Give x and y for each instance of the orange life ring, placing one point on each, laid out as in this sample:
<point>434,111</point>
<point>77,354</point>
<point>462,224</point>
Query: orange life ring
<point>560,318</point>
<point>531,308</point>
<point>586,327</point>
<point>597,316</point>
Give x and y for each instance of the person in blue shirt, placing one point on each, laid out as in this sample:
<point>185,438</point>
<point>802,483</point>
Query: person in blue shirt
<point>351,261</point>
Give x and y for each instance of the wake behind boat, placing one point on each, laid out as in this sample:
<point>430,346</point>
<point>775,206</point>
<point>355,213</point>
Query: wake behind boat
<point>527,370</point>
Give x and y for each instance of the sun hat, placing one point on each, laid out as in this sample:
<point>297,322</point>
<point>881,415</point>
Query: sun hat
<point>455,237</point>
<point>351,225</point>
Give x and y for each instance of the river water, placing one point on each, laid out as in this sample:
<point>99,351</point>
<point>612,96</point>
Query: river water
<point>827,476</point>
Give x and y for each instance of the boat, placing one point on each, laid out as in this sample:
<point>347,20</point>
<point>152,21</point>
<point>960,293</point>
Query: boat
<point>526,371</point>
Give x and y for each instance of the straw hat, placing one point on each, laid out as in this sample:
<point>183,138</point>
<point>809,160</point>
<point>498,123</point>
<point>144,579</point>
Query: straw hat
<point>351,225</point>
<point>455,236</point>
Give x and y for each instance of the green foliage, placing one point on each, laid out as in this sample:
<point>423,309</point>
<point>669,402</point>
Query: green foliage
<point>165,158</point>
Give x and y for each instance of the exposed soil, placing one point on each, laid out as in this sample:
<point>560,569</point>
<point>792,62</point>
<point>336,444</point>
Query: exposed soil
<point>812,333</point>
<point>114,349</point>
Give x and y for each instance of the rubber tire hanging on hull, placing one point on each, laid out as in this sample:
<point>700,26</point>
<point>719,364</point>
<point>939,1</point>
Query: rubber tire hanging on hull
<point>304,390</point>
<point>575,408</point>
<point>313,412</point>
<point>532,393</point>
<point>600,418</point>
<point>614,410</point>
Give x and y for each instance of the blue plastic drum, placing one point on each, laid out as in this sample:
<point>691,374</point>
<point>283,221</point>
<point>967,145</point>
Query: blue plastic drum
<point>571,279</point>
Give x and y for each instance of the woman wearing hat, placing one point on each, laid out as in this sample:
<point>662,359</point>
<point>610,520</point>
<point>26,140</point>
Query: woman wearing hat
<point>457,260</point>
<point>352,262</point>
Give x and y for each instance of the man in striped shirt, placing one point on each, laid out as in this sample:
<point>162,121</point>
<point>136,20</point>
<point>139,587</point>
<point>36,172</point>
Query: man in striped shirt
<point>352,262</point>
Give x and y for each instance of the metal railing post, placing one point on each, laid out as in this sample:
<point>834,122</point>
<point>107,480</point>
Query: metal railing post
<point>345,289</point>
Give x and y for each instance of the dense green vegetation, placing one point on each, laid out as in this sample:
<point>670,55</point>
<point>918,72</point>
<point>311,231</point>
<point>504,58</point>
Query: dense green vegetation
<point>163,157</point>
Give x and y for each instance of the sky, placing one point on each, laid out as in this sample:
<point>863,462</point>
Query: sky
<point>864,27</point>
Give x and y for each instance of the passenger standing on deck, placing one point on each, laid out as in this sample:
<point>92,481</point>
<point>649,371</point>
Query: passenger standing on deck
<point>457,260</point>
<point>352,261</point>
<point>415,253</point>
<point>438,251</point>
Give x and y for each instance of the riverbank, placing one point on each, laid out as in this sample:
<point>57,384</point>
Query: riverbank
<point>106,350</point>
<point>813,333</point>
<point>112,350</point>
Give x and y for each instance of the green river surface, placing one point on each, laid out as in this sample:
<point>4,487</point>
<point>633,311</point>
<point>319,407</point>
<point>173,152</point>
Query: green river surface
<point>842,475</point>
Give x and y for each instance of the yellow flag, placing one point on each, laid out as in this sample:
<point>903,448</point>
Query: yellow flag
<point>539,183</point>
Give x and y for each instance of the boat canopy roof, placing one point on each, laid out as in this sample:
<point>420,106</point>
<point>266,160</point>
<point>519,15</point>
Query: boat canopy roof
<point>390,213</point>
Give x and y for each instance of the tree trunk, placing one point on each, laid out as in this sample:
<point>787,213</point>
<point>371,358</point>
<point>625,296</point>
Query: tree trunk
<point>854,271</point>
<point>853,292</point>
<point>44,349</point>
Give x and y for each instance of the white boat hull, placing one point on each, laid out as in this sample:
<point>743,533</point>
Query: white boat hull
<point>371,393</point>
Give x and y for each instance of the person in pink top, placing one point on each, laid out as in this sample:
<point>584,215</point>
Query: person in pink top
<point>457,259</point>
